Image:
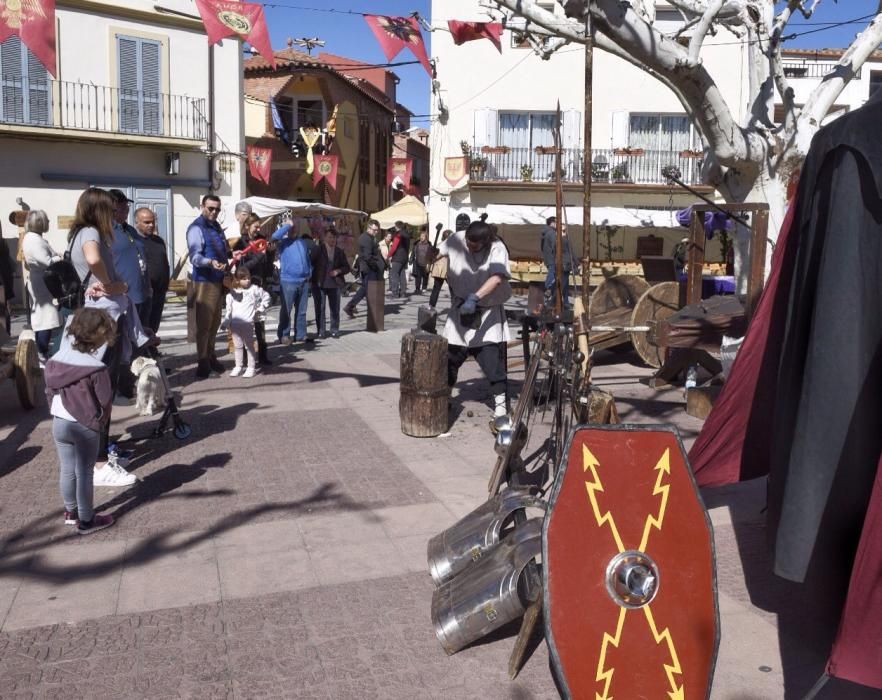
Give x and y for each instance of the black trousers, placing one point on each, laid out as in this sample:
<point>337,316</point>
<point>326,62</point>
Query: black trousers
<point>491,360</point>
<point>420,277</point>
<point>157,305</point>
<point>366,277</point>
<point>437,283</point>
<point>260,334</point>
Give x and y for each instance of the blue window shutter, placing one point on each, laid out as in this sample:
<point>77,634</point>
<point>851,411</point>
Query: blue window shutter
<point>129,88</point>
<point>39,95</point>
<point>140,97</point>
<point>12,81</point>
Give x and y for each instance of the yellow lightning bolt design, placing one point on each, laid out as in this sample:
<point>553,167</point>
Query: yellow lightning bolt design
<point>589,461</point>
<point>677,692</point>
<point>663,467</point>
<point>606,675</point>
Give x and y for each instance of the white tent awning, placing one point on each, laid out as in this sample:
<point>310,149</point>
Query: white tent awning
<point>265,207</point>
<point>408,210</point>
<point>514,214</point>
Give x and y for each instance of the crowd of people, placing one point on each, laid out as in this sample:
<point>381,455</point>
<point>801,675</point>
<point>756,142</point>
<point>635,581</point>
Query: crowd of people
<point>87,346</point>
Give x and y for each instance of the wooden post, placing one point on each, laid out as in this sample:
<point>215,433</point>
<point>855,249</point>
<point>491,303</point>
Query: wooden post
<point>376,305</point>
<point>586,166</point>
<point>695,258</point>
<point>558,206</point>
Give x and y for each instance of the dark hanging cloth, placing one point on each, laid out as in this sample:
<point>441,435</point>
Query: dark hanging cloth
<point>803,402</point>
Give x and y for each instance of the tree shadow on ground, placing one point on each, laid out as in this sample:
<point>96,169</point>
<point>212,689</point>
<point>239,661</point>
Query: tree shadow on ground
<point>323,499</point>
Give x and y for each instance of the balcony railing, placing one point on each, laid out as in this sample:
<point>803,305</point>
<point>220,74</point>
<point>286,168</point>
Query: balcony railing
<point>625,166</point>
<point>59,104</point>
<point>798,68</point>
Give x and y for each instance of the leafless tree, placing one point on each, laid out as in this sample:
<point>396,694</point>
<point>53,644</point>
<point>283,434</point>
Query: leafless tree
<point>748,161</point>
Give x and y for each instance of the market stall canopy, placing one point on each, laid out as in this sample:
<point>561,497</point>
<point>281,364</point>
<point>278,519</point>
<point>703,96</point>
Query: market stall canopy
<point>409,210</point>
<point>514,214</point>
<point>265,207</point>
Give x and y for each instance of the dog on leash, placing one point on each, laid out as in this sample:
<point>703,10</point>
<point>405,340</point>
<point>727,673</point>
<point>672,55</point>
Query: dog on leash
<point>149,390</point>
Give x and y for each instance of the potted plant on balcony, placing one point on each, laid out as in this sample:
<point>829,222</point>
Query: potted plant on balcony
<point>628,151</point>
<point>495,149</point>
<point>477,166</point>
<point>526,172</point>
<point>619,173</point>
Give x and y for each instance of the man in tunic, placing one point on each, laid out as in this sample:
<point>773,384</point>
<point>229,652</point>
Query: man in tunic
<point>478,273</point>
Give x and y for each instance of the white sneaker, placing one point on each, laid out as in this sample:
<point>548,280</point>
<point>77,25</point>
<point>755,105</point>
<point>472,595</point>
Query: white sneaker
<point>236,371</point>
<point>248,373</point>
<point>112,475</point>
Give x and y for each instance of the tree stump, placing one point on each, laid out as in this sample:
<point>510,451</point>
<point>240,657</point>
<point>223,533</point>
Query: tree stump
<point>422,406</point>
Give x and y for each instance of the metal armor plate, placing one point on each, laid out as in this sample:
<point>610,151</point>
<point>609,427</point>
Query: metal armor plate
<point>630,584</point>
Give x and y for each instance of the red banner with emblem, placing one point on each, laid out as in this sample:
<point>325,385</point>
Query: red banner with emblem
<point>401,168</point>
<point>32,21</point>
<point>394,33</point>
<point>325,167</point>
<point>471,31</point>
<point>223,18</point>
<point>259,162</point>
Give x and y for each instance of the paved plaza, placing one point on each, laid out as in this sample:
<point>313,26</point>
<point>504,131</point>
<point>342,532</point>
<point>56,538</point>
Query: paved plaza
<point>280,551</point>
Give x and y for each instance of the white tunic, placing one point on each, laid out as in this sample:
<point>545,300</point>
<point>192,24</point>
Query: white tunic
<point>466,273</point>
<point>38,255</point>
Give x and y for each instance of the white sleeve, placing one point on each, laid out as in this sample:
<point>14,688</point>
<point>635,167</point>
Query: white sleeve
<point>265,300</point>
<point>497,260</point>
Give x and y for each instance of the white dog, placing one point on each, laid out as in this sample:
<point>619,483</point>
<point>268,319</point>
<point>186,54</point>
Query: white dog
<point>150,388</point>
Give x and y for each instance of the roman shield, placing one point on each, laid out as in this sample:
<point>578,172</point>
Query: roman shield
<point>628,563</point>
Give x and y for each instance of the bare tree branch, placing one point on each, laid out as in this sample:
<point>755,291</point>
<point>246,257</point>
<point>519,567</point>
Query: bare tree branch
<point>824,96</point>
<point>702,27</point>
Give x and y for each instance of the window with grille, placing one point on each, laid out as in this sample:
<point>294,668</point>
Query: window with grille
<point>364,154</point>
<point>381,158</point>
<point>25,87</point>
<point>526,130</point>
<point>663,132</point>
<point>140,97</point>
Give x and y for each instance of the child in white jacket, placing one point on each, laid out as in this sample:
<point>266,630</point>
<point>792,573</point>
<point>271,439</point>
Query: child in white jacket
<point>245,302</point>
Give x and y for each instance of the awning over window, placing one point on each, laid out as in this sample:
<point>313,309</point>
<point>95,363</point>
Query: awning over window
<point>514,214</point>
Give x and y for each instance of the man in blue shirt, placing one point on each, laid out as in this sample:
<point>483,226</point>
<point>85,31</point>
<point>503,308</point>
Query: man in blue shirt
<point>209,255</point>
<point>129,258</point>
<point>296,270</point>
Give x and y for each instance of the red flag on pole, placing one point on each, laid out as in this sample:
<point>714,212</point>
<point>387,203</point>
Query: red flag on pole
<point>33,21</point>
<point>399,167</point>
<point>470,31</point>
<point>224,18</point>
<point>260,161</point>
<point>394,33</point>
<point>325,167</point>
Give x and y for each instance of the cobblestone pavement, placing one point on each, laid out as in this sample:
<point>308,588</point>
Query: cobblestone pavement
<point>281,550</point>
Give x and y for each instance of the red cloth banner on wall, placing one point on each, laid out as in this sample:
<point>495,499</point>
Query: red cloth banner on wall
<point>224,18</point>
<point>259,162</point>
<point>394,33</point>
<point>32,21</point>
<point>325,167</point>
<point>471,31</point>
<point>399,167</point>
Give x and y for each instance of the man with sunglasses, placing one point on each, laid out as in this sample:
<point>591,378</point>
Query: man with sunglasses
<point>209,255</point>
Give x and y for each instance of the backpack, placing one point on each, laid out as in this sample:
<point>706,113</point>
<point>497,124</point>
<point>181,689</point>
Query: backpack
<point>63,282</point>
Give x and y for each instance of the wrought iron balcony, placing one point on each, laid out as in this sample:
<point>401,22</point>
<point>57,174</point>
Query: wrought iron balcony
<point>59,104</point>
<point>810,68</point>
<point>615,166</point>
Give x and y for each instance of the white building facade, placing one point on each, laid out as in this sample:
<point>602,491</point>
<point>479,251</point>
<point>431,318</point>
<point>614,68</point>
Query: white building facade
<point>501,108</point>
<point>140,103</point>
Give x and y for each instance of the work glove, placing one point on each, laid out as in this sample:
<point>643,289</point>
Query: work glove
<point>469,306</point>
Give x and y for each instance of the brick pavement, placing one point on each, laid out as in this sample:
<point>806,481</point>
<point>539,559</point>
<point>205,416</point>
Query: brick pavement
<point>280,551</point>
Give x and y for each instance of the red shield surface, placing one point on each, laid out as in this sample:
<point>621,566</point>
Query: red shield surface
<point>625,494</point>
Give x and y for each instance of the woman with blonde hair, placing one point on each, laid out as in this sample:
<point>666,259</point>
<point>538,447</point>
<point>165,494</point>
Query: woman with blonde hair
<point>90,240</point>
<point>38,255</point>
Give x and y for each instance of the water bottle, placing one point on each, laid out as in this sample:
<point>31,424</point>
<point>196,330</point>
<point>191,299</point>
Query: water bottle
<point>691,377</point>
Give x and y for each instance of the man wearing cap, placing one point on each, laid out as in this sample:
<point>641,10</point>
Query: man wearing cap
<point>129,258</point>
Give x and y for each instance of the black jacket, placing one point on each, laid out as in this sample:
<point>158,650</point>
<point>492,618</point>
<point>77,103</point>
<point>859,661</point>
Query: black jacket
<point>402,251</point>
<point>320,269</point>
<point>260,265</point>
<point>369,257</point>
<point>157,263</point>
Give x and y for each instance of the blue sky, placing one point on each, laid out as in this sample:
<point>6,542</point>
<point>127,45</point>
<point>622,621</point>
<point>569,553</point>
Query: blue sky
<point>348,35</point>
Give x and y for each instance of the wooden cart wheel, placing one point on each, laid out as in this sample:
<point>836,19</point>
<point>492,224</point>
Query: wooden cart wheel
<point>27,370</point>
<point>615,293</point>
<point>657,303</point>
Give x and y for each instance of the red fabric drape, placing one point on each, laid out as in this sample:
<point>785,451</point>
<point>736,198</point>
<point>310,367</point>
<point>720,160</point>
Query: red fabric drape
<point>470,31</point>
<point>394,33</point>
<point>224,18</point>
<point>33,21</point>
<point>743,405</point>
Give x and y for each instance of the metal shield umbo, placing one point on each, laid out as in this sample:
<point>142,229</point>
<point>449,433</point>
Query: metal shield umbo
<point>628,567</point>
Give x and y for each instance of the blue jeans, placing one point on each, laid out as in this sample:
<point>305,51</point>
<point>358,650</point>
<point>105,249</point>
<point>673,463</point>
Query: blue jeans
<point>296,296</point>
<point>565,286</point>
